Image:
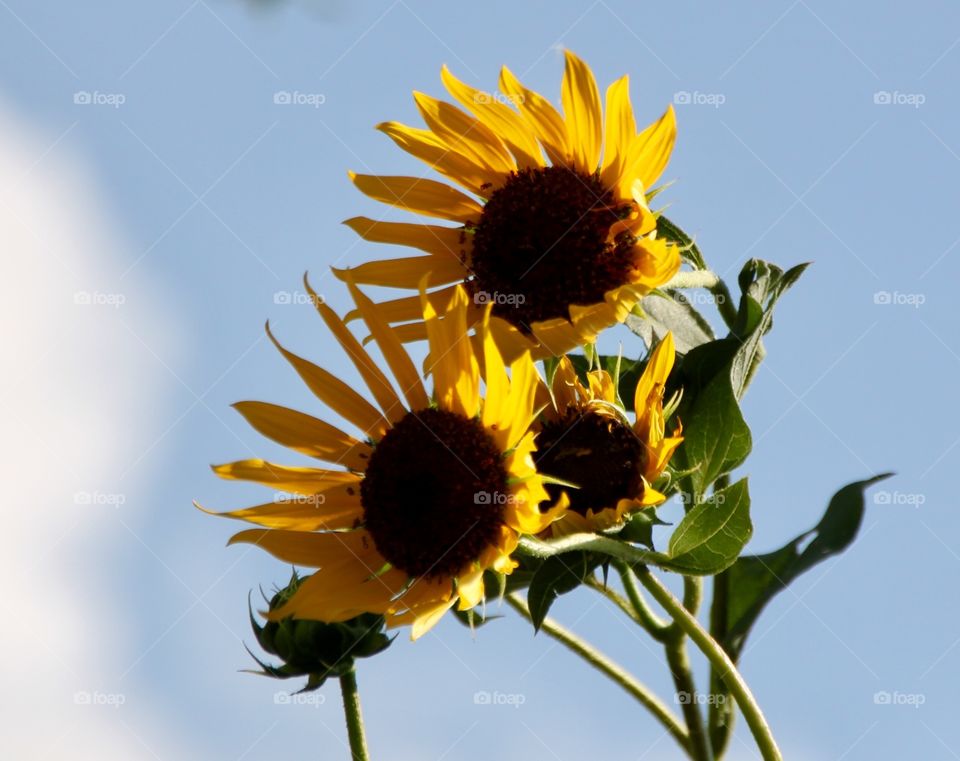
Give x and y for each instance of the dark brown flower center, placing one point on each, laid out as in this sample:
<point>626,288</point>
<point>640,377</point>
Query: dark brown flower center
<point>597,452</point>
<point>434,492</point>
<point>541,245</point>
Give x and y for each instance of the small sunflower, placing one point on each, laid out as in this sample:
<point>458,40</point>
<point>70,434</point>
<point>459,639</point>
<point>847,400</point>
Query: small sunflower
<point>406,517</point>
<point>556,233</point>
<point>585,438</point>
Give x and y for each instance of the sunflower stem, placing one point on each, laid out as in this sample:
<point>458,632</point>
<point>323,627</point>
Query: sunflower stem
<point>654,623</point>
<point>609,668</point>
<point>679,664</point>
<point>354,717</point>
<point>719,660</point>
<point>650,621</point>
<point>724,302</point>
<point>692,279</point>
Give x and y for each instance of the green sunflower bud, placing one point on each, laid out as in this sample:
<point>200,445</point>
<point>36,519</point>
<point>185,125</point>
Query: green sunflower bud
<point>316,649</point>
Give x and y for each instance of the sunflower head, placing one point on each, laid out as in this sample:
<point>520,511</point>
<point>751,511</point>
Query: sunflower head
<point>406,515</point>
<point>551,224</point>
<point>585,438</point>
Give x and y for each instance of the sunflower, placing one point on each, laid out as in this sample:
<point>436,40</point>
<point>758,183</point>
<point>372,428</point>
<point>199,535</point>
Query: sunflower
<point>404,519</point>
<point>585,438</point>
<point>554,229</point>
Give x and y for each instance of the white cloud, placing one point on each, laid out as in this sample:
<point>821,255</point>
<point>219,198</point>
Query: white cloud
<point>74,385</point>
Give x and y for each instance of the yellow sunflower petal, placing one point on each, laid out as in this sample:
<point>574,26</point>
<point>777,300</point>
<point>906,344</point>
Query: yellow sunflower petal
<point>305,434</point>
<point>397,358</point>
<point>498,556</point>
<point>285,477</point>
<point>581,107</point>
<point>437,154</point>
<point>566,387</point>
<point>407,272</point>
<point>602,386</point>
<point>656,261</point>
<point>650,152</point>
<point>500,118</point>
<point>651,497</point>
<point>327,550</point>
<point>349,582</point>
<point>619,133</point>
<point>468,381</point>
<point>526,517</point>
<point>429,616</point>
<point>409,307</point>
<point>465,134</point>
<point>336,394</point>
<point>373,376</point>
<point>510,341</point>
<point>524,380</point>
<point>299,515</point>
<point>455,370</point>
<point>557,336</point>
<point>495,416</point>
<point>433,239</point>
<point>650,386</point>
<point>427,197</point>
<point>662,452</point>
<point>421,597</point>
<point>411,331</point>
<point>470,588</point>
<point>542,117</point>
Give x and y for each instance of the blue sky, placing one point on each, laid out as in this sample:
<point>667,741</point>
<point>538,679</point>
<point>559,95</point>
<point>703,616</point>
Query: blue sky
<point>814,133</point>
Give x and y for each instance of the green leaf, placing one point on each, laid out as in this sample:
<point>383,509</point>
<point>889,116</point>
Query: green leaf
<point>639,527</point>
<point>711,536</point>
<point>762,284</point>
<point>688,249</point>
<point>670,311</point>
<point>558,575</point>
<point>473,618</point>
<point>716,437</point>
<point>754,580</point>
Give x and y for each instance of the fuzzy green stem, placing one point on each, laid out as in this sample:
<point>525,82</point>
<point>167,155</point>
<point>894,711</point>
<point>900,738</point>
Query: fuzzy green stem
<point>609,668</point>
<point>692,279</point>
<point>354,717</point>
<point>724,302</point>
<point>679,664</point>
<point>682,673</point>
<point>719,660</point>
<point>648,619</point>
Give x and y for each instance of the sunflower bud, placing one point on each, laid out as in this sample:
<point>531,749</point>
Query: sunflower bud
<point>316,649</point>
